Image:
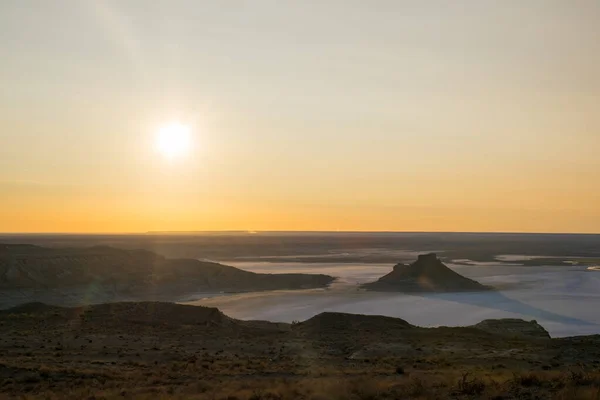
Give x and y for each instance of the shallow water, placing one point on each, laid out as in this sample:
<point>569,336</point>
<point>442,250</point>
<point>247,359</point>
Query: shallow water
<point>563,299</point>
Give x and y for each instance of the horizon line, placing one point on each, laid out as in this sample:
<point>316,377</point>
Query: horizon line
<point>254,232</point>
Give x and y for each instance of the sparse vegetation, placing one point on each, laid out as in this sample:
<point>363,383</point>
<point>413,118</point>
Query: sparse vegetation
<point>199,353</point>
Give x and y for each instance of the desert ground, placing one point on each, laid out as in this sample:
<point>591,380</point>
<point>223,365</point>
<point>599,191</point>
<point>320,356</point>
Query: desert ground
<point>164,350</point>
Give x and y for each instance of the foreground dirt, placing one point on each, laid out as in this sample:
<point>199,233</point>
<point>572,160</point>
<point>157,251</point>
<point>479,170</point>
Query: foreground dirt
<point>163,350</point>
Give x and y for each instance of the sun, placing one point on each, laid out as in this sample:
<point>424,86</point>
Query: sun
<point>173,140</point>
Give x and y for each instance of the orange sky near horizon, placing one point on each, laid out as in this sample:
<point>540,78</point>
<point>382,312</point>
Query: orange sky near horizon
<point>334,115</point>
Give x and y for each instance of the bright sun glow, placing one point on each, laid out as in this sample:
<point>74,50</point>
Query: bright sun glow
<point>173,140</point>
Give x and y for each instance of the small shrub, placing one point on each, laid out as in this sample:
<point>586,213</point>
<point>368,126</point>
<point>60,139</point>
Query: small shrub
<point>256,395</point>
<point>527,380</point>
<point>472,387</point>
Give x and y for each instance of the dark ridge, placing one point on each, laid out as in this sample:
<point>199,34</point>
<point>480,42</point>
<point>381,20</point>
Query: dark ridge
<point>32,308</point>
<point>120,274</point>
<point>352,322</point>
<point>128,312</point>
<point>155,312</point>
<point>513,327</point>
<point>164,314</point>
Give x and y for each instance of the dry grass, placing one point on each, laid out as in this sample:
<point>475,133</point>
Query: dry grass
<point>62,357</point>
<point>173,381</point>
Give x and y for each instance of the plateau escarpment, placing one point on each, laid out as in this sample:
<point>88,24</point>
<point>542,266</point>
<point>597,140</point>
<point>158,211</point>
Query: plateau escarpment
<point>100,274</point>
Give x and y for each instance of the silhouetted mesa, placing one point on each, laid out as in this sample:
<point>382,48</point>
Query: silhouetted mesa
<point>104,274</point>
<point>427,274</point>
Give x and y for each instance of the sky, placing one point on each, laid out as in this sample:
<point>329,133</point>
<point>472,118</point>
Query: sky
<point>423,115</point>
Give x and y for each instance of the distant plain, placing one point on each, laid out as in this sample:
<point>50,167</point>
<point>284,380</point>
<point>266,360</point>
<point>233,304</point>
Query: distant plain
<point>564,300</point>
<point>549,278</point>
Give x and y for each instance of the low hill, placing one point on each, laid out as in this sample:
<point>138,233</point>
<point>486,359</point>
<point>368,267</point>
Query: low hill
<point>343,325</point>
<point>335,321</point>
<point>105,273</point>
<point>126,315</point>
<point>513,327</point>
<point>427,274</point>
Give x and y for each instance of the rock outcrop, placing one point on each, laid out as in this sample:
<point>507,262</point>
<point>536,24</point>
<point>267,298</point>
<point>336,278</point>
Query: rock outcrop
<point>335,321</point>
<point>427,274</point>
<point>513,327</point>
